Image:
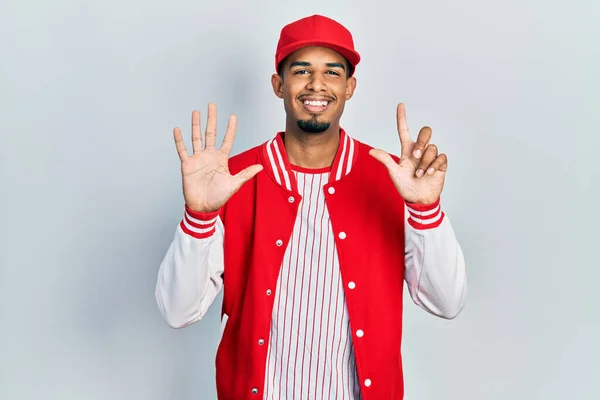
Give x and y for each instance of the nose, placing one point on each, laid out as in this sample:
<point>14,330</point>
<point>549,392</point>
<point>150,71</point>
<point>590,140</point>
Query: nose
<point>316,83</point>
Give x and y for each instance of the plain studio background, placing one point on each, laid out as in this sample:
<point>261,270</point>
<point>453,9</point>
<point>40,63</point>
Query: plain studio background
<point>91,188</point>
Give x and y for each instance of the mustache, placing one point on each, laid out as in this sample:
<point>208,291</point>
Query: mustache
<point>320,97</point>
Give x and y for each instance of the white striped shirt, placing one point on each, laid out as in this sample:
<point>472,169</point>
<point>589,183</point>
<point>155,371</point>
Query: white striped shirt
<point>311,355</point>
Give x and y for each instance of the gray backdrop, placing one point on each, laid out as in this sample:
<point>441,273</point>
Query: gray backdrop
<point>91,190</point>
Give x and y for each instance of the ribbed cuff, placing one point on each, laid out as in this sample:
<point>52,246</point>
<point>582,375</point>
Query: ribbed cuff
<point>198,224</point>
<point>425,216</point>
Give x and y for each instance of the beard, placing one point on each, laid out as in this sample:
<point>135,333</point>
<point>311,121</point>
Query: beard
<point>313,125</point>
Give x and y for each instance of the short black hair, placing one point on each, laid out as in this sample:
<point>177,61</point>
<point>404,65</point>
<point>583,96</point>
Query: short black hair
<point>349,70</point>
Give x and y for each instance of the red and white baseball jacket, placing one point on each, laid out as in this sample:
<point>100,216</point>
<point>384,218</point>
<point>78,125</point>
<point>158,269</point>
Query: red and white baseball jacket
<point>255,249</point>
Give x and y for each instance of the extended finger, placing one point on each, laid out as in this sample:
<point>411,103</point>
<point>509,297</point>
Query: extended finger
<point>246,174</point>
<point>211,126</point>
<point>429,156</point>
<point>439,164</point>
<point>422,141</point>
<point>196,135</point>
<point>229,135</point>
<point>405,140</point>
<point>180,145</point>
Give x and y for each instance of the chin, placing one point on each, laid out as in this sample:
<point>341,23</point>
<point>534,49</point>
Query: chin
<point>313,125</point>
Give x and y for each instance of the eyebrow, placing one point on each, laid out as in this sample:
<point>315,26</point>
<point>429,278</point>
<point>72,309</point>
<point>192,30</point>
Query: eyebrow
<point>307,64</point>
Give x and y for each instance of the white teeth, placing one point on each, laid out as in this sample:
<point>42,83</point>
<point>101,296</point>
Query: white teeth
<point>315,103</point>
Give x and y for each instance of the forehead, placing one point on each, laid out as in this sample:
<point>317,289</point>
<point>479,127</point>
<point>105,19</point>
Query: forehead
<point>316,54</point>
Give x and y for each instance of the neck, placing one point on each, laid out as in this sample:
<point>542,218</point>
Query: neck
<point>312,150</point>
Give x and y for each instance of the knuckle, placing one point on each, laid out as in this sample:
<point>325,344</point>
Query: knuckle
<point>426,130</point>
<point>439,162</point>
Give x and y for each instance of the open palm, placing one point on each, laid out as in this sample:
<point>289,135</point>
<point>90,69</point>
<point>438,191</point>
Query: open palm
<point>420,174</point>
<point>207,182</point>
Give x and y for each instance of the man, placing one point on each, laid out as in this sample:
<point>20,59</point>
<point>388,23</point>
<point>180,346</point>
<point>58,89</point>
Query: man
<point>311,236</point>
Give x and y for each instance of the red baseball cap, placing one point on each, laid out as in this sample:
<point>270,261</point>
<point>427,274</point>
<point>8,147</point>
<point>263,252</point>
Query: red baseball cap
<point>316,30</point>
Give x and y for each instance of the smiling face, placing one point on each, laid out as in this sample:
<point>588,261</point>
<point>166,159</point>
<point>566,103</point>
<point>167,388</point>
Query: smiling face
<point>314,85</point>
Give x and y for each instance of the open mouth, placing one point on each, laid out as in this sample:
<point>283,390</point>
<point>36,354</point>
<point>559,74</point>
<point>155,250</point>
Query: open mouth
<point>316,106</point>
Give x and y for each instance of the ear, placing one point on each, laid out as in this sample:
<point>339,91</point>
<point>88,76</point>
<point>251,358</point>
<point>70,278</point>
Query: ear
<point>277,82</point>
<point>350,87</point>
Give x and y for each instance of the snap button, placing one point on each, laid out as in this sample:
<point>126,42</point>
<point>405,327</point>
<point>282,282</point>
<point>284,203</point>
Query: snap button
<point>261,341</point>
<point>269,292</point>
<point>291,199</point>
<point>331,190</point>
<point>360,333</point>
<point>254,391</point>
<point>351,285</point>
<point>342,235</point>
<point>367,382</point>
<point>279,242</point>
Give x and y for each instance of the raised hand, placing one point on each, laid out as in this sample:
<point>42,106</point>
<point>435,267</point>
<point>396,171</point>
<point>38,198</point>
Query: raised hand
<point>420,174</point>
<point>207,183</point>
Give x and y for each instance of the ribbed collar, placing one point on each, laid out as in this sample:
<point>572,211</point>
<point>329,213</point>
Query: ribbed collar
<point>278,164</point>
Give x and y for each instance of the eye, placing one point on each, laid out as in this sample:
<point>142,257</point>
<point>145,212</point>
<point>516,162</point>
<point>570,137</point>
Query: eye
<point>333,73</point>
<point>301,72</point>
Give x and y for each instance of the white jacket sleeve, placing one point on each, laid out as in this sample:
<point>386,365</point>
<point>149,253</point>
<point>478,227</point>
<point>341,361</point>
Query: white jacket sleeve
<point>434,262</point>
<point>191,273</point>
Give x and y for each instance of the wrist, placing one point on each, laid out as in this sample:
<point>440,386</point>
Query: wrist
<point>201,214</point>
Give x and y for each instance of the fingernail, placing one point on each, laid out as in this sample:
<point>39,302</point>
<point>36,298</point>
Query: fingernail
<point>420,173</point>
<point>430,171</point>
<point>417,153</point>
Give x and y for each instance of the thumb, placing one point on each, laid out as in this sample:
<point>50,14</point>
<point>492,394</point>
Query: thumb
<point>383,158</point>
<point>246,174</point>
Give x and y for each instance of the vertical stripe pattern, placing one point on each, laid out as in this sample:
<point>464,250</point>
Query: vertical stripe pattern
<point>310,354</point>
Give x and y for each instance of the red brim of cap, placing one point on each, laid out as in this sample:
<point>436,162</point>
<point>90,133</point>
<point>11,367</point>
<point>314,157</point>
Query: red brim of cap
<point>352,56</point>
